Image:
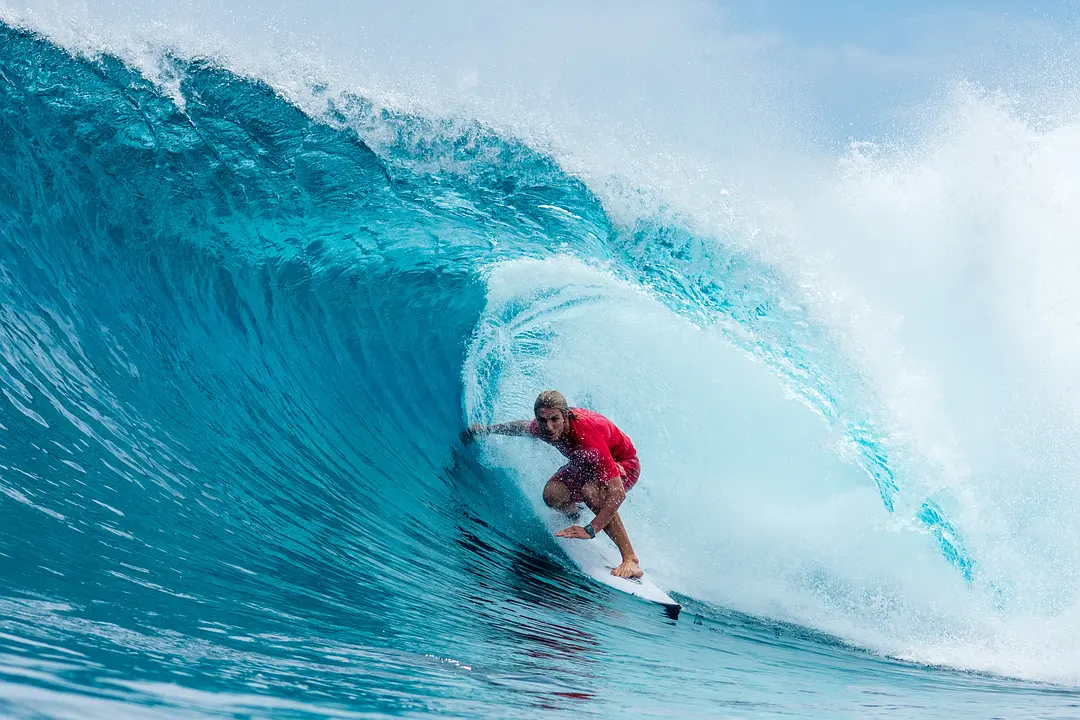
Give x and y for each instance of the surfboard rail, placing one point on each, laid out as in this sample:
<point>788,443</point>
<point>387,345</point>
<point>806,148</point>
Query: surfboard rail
<point>597,558</point>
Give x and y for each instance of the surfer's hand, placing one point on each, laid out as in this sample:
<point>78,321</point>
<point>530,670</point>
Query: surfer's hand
<point>574,532</point>
<point>470,433</point>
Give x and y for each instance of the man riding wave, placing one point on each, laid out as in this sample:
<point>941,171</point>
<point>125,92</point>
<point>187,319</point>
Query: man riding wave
<point>602,465</point>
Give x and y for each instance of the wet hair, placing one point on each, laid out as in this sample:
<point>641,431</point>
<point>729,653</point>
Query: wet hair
<point>551,399</point>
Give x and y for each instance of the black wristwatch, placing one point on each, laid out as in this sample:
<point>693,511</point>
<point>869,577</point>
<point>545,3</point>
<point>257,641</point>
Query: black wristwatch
<point>588,529</point>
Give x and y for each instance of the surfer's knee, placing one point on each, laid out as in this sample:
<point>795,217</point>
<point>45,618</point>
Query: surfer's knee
<point>556,494</point>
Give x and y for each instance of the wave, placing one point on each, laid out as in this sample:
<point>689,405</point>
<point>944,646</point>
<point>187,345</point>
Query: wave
<point>239,340</point>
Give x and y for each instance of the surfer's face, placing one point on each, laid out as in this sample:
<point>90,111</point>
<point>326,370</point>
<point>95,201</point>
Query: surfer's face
<point>551,422</point>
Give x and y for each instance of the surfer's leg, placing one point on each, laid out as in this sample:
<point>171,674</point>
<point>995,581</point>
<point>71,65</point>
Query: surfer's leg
<point>557,496</point>
<point>595,495</point>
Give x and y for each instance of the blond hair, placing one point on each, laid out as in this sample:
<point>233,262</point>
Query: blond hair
<point>551,399</point>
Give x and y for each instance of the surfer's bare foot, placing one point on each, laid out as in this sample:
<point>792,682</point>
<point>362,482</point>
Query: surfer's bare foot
<point>628,569</point>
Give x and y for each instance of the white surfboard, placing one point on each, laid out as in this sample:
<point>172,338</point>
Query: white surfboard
<point>598,557</point>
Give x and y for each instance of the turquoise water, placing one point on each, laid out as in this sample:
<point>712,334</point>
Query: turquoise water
<point>238,341</point>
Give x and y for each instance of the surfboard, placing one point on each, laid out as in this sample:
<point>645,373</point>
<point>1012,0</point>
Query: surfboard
<point>598,557</point>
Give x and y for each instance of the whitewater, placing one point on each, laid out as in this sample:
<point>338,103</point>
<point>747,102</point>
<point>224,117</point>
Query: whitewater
<point>259,268</point>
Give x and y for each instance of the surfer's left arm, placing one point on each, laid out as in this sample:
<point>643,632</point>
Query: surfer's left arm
<point>613,498</point>
<point>612,492</point>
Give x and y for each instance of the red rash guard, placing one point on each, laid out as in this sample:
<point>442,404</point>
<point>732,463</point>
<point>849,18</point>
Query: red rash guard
<point>597,450</point>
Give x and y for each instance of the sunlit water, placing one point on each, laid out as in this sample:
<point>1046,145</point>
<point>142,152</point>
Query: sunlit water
<point>242,324</point>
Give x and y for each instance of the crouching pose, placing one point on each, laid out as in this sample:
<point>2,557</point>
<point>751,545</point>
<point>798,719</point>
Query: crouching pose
<point>602,465</point>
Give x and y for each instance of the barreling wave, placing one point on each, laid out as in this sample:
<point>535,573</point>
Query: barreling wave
<point>236,346</point>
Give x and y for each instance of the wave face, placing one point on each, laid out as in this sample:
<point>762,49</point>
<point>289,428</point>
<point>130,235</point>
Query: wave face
<point>238,343</point>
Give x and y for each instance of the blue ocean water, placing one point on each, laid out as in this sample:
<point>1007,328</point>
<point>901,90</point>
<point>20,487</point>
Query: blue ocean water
<point>238,343</point>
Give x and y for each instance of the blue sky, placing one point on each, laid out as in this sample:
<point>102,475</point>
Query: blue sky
<point>873,66</point>
<point>865,21</point>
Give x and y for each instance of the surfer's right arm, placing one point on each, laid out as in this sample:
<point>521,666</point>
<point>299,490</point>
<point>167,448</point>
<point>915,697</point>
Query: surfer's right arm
<point>515,427</point>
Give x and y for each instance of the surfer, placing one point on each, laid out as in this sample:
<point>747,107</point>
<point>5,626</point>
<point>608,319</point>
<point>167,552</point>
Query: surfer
<point>603,465</point>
